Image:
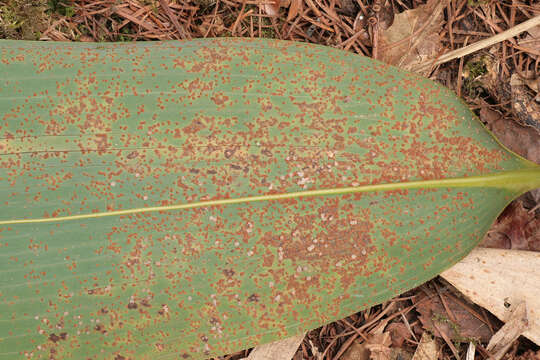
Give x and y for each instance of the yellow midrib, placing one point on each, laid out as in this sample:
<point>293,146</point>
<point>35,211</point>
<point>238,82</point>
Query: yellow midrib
<point>516,180</point>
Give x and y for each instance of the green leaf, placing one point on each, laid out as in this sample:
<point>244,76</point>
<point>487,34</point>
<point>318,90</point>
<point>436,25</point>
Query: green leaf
<point>190,199</point>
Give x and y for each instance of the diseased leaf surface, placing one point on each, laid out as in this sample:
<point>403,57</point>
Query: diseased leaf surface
<point>88,128</point>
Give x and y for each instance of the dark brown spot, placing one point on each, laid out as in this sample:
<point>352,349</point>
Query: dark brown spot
<point>236,167</point>
<point>228,272</point>
<point>204,338</point>
<point>100,328</point>
<point>132,305</point>
<point>194,171</point>
<point>211,172</point>
<point>253,298</point>
<point>103,311</point>
<point>119,357</point>
<point>55,338</point>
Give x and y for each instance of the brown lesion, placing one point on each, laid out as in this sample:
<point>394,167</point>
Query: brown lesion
<point>56,338</point>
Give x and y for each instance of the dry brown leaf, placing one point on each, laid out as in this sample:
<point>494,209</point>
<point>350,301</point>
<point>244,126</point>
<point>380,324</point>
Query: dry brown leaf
<point>271,7</point>
<point>379,346</point>
<point>413,38</point>
<point>348,7</point>
<point>532,40</point>
<point>435,318</point>
<point>398,333</point>
<point>523,140</point>
<point>515,228</point>
<point>498,280</point>
<point>357,351</point>
<point>400,354</point>
<point>427,348</point>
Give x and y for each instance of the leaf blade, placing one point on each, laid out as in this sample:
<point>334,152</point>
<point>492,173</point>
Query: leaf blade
<point>92,128</point>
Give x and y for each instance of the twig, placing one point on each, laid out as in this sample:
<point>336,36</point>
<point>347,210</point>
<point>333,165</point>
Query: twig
<point>524,26</point>
<point>460,72</point>
<point>183,34</point>
<point>238,18</point>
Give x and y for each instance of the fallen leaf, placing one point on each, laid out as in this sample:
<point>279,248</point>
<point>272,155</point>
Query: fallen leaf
<point>379,346</point>
<point>413,38</point>
<point>427,348</point>
<point>398,333</point>
<point>277,350</point>
<point>515,228</point>
<point>435,318</point>
<point>271,7</point>
<point>400,354</point>
<point>531,41</point>
<point>498,280</point>
<point>347,7</point>
<point>523,140</point>
<point>357,351</point>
